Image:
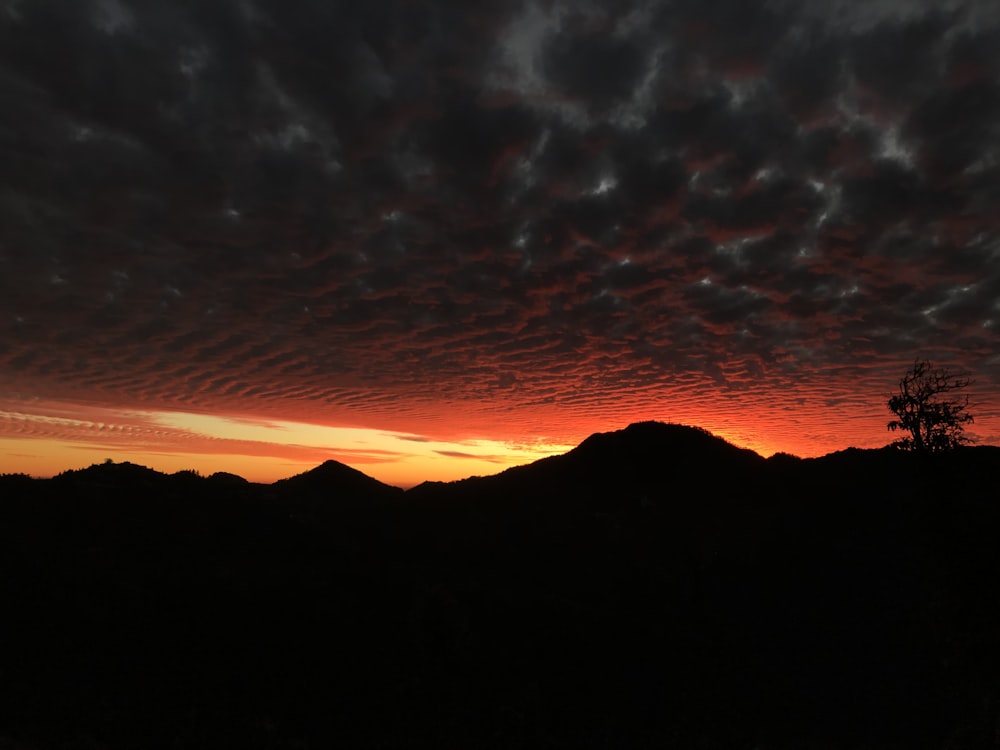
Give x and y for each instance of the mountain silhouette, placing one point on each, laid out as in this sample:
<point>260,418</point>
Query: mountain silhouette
<point>225,477</point>
<point>655,586</point>
<point>111,474</point>
<point>644,454</point>
<point>647,463</point>
<point>337,483</point>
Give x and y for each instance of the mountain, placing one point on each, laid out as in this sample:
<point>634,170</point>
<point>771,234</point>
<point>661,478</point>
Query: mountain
<point>644,464</point>
<point>227,478</point>
<point>337,483</point>
<point>111,474</point>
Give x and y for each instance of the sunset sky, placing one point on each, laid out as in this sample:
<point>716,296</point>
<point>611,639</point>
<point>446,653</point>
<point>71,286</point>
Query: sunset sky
<point>435,239</point>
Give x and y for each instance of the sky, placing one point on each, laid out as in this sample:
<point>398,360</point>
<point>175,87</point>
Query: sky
<point>436,239</point>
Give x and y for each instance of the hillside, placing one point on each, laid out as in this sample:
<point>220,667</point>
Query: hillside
<point>653,587</point>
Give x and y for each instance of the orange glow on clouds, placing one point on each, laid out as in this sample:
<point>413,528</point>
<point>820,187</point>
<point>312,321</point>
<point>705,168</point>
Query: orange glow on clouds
<point>44,437</point>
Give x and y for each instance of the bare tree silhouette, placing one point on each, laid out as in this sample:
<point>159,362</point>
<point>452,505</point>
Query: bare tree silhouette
<point>927,410</point>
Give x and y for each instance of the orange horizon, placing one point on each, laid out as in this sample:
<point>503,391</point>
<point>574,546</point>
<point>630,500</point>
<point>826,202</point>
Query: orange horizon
<point>45,438</point>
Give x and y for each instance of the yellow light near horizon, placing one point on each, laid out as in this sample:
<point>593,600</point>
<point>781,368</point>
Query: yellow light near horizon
<point>396,455</point>
<point>46,458</point>
<point>258,450</point>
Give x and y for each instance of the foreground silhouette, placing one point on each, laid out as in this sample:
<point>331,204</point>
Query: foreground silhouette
<point>654,587</point>
<point>926,408</point>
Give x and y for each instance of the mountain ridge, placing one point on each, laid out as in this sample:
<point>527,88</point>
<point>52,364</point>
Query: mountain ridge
<point>639,447</point>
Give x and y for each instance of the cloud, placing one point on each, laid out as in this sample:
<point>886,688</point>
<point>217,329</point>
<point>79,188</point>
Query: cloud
<point>500,219</point>
<point>480,457</point>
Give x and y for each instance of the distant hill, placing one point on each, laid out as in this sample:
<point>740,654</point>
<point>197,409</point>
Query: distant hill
<point>224,477</point>
<point>645,463</point>
<point>338,483</point>
<point>111,474</point>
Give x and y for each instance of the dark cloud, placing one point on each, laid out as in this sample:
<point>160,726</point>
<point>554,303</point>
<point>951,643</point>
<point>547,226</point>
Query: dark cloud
<point>901,61</point>
<point>419,213</point>
<point>585,62</point>
<point>807,70</point>
<point>956,127</point>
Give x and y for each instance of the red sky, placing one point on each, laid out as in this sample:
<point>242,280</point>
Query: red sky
<point>460,236</point>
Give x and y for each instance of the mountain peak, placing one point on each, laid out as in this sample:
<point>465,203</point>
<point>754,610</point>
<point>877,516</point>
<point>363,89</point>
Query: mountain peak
<point>666,440</point>
<point>331,469</point>
<point>633,465</point>
<point>335,478</point>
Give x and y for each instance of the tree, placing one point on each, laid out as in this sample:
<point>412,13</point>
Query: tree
<point>926,408</point>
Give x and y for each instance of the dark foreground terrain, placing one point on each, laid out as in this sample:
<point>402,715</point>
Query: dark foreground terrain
<point>655,587</point>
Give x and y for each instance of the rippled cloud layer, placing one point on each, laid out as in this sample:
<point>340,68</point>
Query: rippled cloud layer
<point>517,220</point>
